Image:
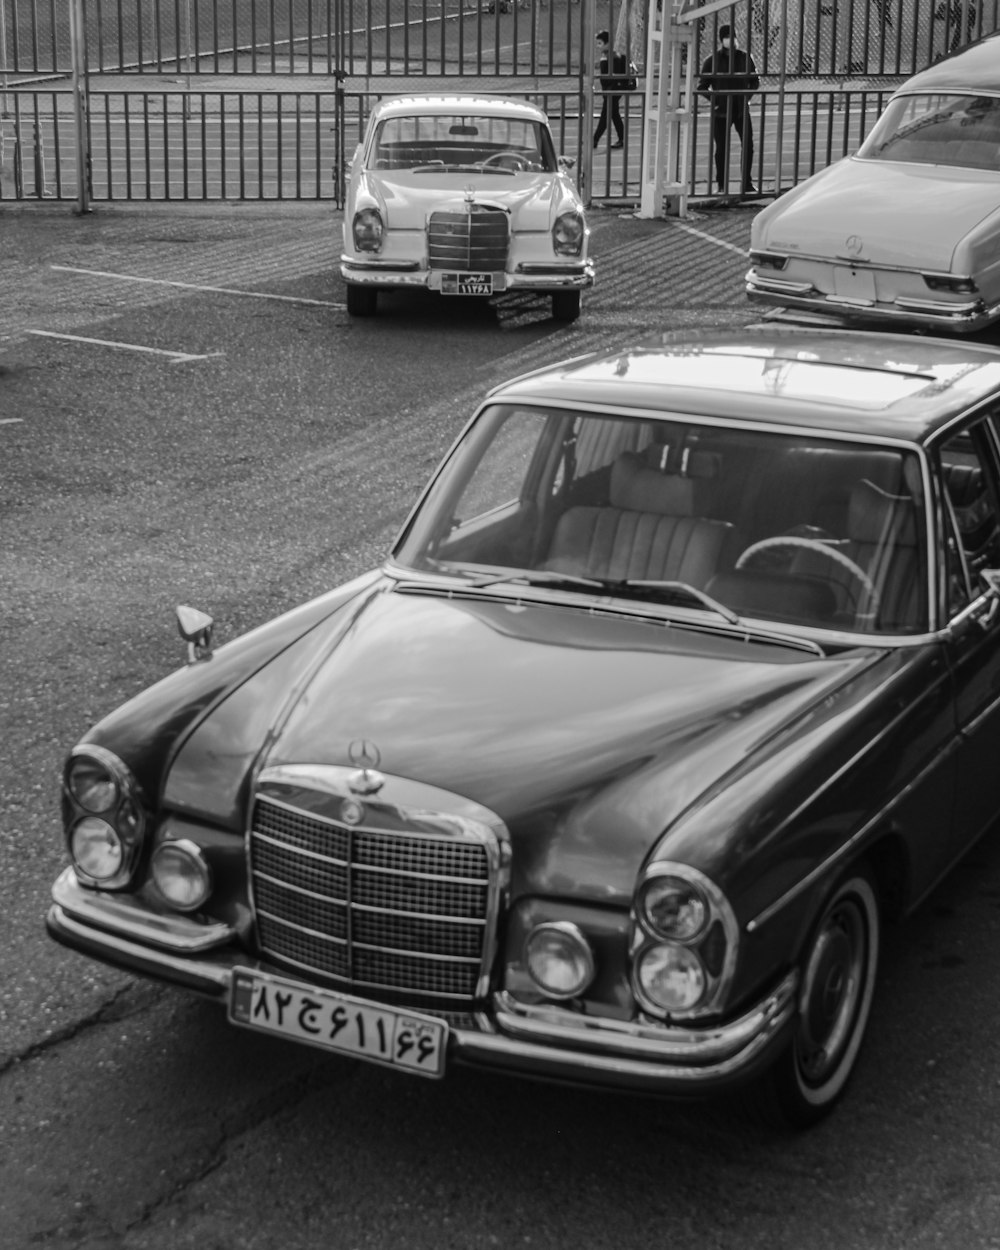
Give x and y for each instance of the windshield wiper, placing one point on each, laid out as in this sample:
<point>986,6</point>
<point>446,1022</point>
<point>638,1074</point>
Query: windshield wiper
<point>646,588</point>
<point>539,577</point>
<point>653,588</point>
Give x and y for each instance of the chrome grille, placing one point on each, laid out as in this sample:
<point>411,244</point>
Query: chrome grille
<point>468,242</point>
<point>404,912</point>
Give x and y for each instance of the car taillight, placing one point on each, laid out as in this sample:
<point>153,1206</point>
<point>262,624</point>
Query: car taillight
<point>768,260</point>
<point>957,284</point>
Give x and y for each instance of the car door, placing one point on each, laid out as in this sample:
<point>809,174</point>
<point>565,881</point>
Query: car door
<point>970,477</point>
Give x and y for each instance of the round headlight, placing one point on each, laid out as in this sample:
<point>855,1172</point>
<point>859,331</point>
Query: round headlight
<point>559,959</point>
<point>671,977</point>
<point>673,908</point>
<point>92,784</point>
<point>181,874</point>
<point>96,849</point>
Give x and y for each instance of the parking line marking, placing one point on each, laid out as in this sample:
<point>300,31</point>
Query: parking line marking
<point>11,420</point>
<point>193,286</point>
<point>710,238</point>
<point>177,358</point>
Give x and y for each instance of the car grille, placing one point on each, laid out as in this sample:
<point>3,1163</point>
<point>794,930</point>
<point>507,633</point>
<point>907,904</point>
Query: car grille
<point>468,242</point>
<point>405,913</point>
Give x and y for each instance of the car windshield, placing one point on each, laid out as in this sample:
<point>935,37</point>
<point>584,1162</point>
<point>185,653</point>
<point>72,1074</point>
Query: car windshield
<point>503,145</point>
<point>962,130</point>
<point>728,520</point>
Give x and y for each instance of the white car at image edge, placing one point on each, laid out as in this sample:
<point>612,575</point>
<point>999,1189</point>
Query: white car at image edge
<point>907,230</point>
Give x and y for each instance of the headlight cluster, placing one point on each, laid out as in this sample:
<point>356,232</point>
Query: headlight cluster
<point>684,941</point>
<point>368,230</point>
<point>104,818</point>
<point>568,234</point>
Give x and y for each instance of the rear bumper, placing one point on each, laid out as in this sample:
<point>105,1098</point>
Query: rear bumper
<point>529,276</point>
<point>925,314</point>
<point>549,1042</point>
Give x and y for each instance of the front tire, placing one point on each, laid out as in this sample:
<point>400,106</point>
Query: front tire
<point>565,305</point>
<point>833,1006</point>
<point>362,301</point>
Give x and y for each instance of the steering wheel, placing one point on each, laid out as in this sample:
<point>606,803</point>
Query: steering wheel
<point>515,161</point>
<point>868,601</point>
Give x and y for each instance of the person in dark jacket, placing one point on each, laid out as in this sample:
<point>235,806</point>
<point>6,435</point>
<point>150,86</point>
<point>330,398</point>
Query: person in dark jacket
<point>613,70</point>
<point>728,80</point>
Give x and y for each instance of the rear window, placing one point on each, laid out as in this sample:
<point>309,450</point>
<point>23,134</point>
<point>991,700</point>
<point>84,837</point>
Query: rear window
<point>960,130</point>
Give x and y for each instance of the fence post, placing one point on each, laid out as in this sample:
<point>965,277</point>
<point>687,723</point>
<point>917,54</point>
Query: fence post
<point>78,40</point>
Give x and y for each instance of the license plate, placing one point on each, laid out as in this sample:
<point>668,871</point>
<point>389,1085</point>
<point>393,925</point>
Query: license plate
<point>338,1022</point>
<point>854,286</point>
<point>466,284</point>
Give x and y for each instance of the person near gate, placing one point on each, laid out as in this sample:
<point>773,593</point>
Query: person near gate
<point>728,80</point>
<point>613,70</point>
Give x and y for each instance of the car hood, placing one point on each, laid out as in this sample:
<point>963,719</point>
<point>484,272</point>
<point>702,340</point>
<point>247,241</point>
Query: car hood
<point>587,735</point>
<point>532,200</point>
<point>902,214</point>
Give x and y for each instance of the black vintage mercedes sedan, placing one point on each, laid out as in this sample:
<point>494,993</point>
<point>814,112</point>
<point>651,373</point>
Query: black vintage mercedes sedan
<point>681,679</point>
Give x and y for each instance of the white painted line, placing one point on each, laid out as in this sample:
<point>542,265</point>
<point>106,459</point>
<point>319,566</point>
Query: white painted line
<point>176,358</point>
<point>11,420</point>
<point>710,238</point>
<point>193,286</point>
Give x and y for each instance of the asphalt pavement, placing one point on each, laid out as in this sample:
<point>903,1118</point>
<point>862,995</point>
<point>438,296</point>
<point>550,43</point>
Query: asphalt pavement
<point>60,270</point>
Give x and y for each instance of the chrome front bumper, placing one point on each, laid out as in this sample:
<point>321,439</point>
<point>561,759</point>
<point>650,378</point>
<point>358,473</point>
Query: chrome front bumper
<point>532,276</point>
<point>549,1041</point>
<point>925,314</point>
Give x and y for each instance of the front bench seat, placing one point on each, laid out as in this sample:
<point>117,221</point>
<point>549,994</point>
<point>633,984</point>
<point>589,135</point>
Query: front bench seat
<point>648,530</point>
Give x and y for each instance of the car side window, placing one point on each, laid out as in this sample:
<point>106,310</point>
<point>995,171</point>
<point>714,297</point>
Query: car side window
<point>499,478</point>
<point>972,512</point>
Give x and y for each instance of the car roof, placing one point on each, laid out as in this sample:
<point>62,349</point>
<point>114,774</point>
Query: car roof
<point>843,381</point>
<point>975,69</point>
<point>433,103</point>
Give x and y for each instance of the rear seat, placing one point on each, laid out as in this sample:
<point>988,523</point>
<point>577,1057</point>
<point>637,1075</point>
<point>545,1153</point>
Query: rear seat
<point>650,529</point>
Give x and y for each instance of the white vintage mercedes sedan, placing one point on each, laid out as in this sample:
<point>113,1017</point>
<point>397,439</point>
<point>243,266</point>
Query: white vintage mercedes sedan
<point>466,196</point>
<point>908,229</point>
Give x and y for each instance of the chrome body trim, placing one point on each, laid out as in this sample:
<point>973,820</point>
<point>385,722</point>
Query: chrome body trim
<point>549,1041</point>
<point>419,812</point>
<point>930,314</point>
<point>127,916</point>
<point>401,274</point>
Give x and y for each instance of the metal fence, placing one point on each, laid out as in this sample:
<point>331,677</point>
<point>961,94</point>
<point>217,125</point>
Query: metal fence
<point>264,99</point>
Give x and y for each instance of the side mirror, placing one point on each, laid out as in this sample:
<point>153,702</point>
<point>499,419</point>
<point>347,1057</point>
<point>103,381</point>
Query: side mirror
<point>567,162</point>
<point>195,628</point>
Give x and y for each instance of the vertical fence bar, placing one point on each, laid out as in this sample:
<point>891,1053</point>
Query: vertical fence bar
<point>78,40</point>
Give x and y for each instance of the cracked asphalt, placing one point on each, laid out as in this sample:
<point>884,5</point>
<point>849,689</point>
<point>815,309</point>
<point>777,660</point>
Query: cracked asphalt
<point>258,449</point>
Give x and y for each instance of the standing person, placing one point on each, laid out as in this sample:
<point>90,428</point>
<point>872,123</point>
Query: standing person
<point>728,80</point>
<point>613,69</point>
